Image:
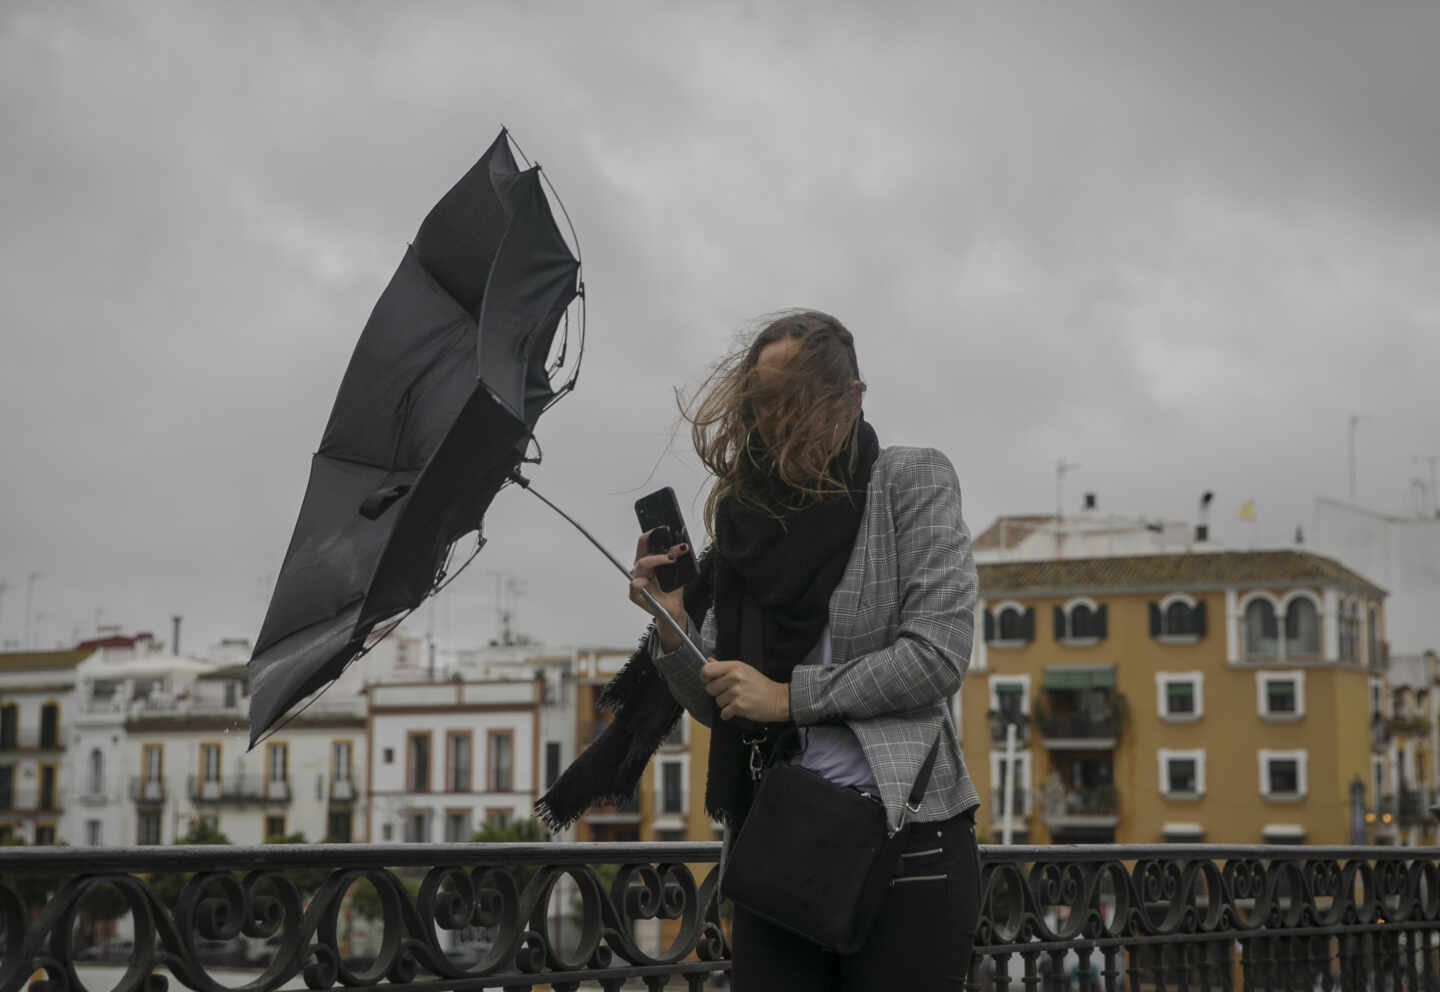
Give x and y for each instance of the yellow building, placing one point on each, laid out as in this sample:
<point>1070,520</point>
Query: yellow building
<point>1216,696</point>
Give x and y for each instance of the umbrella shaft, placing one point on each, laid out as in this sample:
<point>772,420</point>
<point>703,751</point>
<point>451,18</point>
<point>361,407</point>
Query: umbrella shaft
<point>661,614</point>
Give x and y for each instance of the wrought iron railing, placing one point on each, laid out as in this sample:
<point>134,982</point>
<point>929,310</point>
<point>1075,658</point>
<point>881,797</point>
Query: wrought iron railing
<point>1084,917</point>
<point>1078,726</point>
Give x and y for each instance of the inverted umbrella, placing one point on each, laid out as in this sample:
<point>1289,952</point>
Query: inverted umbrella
<point>434,414</point>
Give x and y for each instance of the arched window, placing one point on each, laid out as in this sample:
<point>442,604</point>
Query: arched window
<point>1302,627</point>
<point>1012,624</point>
<point>97,772</point>
<point>1261,631</point>
<point>1177,618</point>
<point>1082,621</point>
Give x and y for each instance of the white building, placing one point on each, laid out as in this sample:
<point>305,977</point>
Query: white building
<point>447,757</point>
<point>194,768</point>
<point>1401,553</point>
<point>1088,534</point>
<point>111,686</point>
<point>37,710</point>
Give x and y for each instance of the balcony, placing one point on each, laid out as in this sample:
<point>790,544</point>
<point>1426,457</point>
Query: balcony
<point>147,790</point>
<point>238,789</point>
<point>1076,731</point>
<point>1092,808</point>
<point>627,811</point>
<point>1407,806</point>
<point>343,790</point>
<point>1109,925</point>
<point>997,805</point>
<point>998,722</point>
<point>33,739</point>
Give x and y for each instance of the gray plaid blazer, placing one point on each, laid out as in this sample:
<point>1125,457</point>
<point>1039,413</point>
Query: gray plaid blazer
<point>901,622</point>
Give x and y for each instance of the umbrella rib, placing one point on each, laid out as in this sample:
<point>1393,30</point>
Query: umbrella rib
<point>661,614</point>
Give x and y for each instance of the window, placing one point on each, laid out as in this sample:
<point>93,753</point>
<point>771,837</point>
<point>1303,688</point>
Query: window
<point>672,787</point>
<point>6,831</point>
<point>387,832</point>
<point>388,756</point>
<point>274,826</point>
<point>93,835</point>
<point>1177,619</point>
<point>7,786</point>
<point>50,725</point>
<point>45,836</point>
<point>1302,627</point>
<point>1180,695</point>
<point>552,761</point>
<point>999,772</point>
<point>457,760</point>
<point>1375,710</point>
<point>341,752</point>
<point>277,763</point>
<point>1261,630</point>
<point>1283,774</point>
<point>1349,624</point>
<point>149,832</point>
<point>669,836</point>
<point>48,775</point>
<point>97,772</point>
<point>417,827</point>
<point>9,725</point>
<point>1010,695</point>
<point>1372,631</point>
<point>1182,773</point>
<point>230,695</point>
<point>1013,623</point>
<point>417,761</point>
<point>338,827</point>
<point>457,826</point>
<point>210,762</point>
<point>1080,620</point>
<point>499,817</point>
<point>152,762</point>
<point>1280,695</point>
<point>502,746</point>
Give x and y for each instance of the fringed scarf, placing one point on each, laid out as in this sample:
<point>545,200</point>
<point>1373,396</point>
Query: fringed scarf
<point>777,573</point>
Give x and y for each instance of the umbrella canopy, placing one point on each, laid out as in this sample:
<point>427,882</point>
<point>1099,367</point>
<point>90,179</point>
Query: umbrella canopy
<point>434,412</point>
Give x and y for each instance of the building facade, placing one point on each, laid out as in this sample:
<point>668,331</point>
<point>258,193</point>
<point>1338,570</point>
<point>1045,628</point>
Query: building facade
<point>37,710</point>
<point>1221,697</point>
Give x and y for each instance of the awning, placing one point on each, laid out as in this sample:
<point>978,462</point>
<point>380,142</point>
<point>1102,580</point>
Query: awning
<point>1074,678</point>
<point>1182,831</point>
<point>1283,831</point>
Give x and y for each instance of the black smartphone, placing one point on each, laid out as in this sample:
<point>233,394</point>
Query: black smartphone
<point>660,512</point>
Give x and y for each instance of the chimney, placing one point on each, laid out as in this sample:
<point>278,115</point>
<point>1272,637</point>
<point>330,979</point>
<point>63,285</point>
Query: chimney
<point>1202,526</point>
<point>175,637</point>
<point>1089,501</point>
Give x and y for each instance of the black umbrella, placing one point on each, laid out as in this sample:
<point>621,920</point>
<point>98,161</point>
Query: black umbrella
<point>434,414</point>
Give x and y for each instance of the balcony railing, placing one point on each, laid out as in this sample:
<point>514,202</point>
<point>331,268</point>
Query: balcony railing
<point>1086,917</point>
<point>1079,727</point>
<point>33,739</point>
<point>147,790</point>
<point>1098,805</point>
<point>238,789</point>
<point>1408,805</point>
<point>625,811</point>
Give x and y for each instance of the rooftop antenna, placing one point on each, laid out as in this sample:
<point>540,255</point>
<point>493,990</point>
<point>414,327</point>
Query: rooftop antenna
<point>1432,460</point>
<point>3,586</point>
<point>1061,467</point>
<point>1355,419</point>
<point>30,581</point>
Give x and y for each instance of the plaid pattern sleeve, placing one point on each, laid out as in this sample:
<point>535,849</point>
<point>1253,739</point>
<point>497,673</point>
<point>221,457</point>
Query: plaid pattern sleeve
<point>926,561</point>
<point>682,672</point>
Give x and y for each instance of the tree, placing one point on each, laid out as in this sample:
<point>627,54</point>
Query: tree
<point>167,884</point>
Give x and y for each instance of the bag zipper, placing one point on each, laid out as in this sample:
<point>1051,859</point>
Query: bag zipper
<point>921,854</point>
<point>916,878</point>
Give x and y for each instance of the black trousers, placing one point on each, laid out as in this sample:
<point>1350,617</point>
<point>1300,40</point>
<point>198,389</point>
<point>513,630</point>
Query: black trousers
<point>922,939</point>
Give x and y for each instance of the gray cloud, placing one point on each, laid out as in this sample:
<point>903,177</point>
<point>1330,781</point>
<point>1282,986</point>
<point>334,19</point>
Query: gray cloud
<point>1176,243</point>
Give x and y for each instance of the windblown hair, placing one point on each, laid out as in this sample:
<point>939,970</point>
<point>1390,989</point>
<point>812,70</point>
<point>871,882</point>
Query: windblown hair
<point>811,411</point>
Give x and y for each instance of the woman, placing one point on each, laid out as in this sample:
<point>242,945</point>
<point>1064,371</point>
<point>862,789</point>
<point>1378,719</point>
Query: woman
<point>842,592</point>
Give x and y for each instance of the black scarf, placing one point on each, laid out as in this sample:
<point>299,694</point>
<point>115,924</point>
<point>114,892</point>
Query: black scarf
<point>779,571</point>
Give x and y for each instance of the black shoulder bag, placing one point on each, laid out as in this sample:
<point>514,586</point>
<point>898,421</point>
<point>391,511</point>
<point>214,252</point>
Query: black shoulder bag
<point>816,858</point>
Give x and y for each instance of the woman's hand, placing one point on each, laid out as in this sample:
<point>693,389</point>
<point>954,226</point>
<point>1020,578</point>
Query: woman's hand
<point>642,577</point>
<point>740,690</point>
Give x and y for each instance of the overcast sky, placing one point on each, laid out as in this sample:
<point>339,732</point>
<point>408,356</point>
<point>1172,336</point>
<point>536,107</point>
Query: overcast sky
<point>1175,245</point>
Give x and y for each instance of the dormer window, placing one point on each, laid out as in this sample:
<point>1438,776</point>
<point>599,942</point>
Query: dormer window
<point>1080,621</point>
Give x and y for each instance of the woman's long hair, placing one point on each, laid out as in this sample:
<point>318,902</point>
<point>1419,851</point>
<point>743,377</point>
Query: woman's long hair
<point>811,410</point>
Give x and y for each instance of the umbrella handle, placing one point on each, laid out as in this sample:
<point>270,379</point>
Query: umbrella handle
<point>662,615</point>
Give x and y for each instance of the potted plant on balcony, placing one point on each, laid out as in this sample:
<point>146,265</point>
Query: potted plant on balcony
<point>998,720</point>
<point>1040,712</point>
<point>1117,710</point>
